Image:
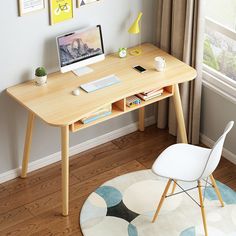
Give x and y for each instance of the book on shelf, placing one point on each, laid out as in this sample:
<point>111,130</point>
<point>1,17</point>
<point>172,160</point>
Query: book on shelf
<point>150,94</point>
<point>97,114</point>
<point>133,101</point>
<point>93,118</point>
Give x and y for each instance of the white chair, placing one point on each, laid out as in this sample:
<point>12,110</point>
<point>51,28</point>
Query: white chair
<point>185,162</point>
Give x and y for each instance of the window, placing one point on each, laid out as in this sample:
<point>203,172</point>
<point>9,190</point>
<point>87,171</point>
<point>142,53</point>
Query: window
<point>219,70</point>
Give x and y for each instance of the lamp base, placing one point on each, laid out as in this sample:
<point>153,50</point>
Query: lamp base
<point>135,52</point>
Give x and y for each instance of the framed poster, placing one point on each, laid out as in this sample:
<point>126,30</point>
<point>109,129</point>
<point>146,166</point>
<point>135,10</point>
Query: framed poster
<point>60,10</point>
<point>81,3</point>
<point>28,6</point>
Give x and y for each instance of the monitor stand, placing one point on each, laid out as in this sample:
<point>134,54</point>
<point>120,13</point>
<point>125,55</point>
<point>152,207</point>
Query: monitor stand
<point>82,71</point>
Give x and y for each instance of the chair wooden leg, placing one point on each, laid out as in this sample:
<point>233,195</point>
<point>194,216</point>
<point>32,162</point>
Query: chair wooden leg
<point>173,188</point>
<point>202,208</point>
<point>217,190</point>
<point>162,200</point>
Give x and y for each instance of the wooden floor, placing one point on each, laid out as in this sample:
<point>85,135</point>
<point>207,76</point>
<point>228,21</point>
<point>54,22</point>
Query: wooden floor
<point>32,206</point>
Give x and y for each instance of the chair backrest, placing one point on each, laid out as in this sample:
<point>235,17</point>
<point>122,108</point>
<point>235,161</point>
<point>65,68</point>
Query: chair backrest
<point>216,151</point>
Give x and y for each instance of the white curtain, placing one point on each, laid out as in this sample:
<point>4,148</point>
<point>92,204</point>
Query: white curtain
<point>180,32</point>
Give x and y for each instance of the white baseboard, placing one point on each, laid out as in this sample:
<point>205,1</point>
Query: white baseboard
<point>226,153</point>
<point>35,165</point>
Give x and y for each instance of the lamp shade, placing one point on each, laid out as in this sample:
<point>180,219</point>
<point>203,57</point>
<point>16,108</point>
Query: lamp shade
<point>135,29</point>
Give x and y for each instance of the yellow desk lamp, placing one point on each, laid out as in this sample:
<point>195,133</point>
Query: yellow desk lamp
<point>135,29</point>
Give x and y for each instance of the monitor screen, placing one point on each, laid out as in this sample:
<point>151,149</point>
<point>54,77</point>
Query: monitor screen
<point>80,46</point>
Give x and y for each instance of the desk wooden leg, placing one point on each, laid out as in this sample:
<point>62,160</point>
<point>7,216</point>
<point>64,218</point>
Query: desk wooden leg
<point>179,114</point>
<point>28,140</point>
<point>180,119</point>
<point>141,118</point>
<point>65,169</point>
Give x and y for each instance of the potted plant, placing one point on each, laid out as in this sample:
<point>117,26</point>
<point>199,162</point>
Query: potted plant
<point>40,76</point>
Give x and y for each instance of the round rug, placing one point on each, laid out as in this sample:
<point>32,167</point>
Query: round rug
<point>124,206</point>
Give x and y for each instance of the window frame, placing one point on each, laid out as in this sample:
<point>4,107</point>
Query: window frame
<point>214,79</point>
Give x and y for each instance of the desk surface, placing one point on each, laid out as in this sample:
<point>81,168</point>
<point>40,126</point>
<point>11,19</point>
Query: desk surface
<point>55,104</point>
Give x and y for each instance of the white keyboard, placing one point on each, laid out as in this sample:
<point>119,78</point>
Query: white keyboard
<point>100,83</point>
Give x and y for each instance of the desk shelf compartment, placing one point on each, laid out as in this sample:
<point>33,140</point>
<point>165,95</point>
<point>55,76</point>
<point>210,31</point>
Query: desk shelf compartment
<point>118,108</point>
<point>167,92</point>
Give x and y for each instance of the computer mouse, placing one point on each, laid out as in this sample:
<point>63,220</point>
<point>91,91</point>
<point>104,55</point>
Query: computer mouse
<point>76,92</point>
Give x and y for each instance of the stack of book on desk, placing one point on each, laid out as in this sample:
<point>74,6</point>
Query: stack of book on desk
<point>150,94</point>
<point>99,113</point>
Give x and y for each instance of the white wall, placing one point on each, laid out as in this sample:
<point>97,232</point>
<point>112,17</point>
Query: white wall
<point>217,111</point>
<point>29,41</point>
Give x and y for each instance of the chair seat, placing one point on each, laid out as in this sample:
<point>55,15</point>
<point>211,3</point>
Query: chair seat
<point>182,162</point>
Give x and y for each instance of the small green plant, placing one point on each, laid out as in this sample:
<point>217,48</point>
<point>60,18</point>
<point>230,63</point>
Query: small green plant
<point>40,72</point>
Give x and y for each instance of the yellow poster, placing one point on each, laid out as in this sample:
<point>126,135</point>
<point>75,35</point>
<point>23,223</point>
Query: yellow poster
<point>60,10</point>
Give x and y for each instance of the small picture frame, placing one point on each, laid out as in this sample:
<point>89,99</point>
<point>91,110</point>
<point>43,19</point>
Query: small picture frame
<point>81,3</point>
<point>60,10</point>
<point>29,6</point>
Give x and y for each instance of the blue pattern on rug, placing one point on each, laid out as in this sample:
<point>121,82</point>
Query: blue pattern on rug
<point>228,195</point>
<point>115,208</point>
<point>132,230</point>
<point>188,232</point>
<point>111,195</point>
<point>92,212</point>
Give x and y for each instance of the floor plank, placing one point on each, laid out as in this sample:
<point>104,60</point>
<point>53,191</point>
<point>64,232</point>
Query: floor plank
<point>41,175</point>
<point>3,191</point>
<point>32,206</point>
<point>48,220</point>
<point>134,152</point>
<point>15,200</point>
<point>14,216</point>
<point>135,138</point>
<point>81,189</point>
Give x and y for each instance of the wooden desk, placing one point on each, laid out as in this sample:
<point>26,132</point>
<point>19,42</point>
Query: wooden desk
<point>55,104</point>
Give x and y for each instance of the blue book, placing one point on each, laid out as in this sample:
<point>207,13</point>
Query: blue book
<point>88,120</point>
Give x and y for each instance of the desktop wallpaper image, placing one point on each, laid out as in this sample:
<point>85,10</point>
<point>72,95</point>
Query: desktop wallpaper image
<point>80,45</point>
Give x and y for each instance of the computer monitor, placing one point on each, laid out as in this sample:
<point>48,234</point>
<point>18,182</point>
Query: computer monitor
<point>80,48</point>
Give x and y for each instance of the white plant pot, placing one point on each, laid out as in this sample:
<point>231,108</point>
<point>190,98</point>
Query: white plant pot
<point>41,80</point>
